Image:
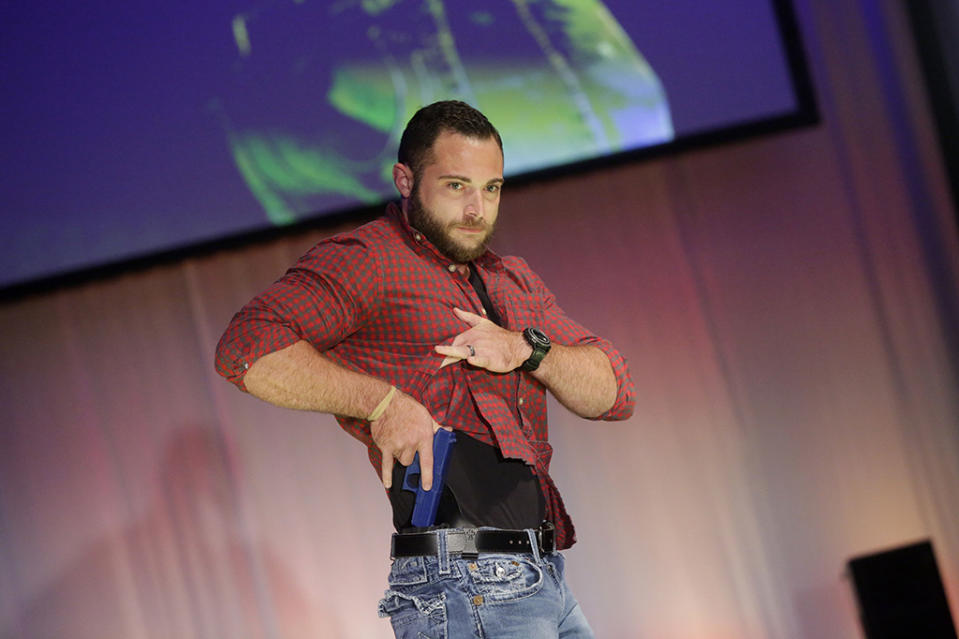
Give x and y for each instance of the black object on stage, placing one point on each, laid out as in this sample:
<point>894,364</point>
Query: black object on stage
<point>900,594</point>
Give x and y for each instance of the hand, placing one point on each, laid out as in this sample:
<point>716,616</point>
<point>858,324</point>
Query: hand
<point>406,428</point>
<point>486,345</point>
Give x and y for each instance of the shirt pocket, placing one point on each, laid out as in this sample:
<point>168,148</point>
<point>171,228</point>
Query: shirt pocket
<point>520,311</point>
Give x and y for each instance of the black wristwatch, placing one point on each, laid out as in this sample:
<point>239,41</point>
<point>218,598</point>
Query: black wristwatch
<point>540,343</point>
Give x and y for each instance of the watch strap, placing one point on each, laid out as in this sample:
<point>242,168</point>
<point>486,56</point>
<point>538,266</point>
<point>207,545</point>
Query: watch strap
<point>540,345</point>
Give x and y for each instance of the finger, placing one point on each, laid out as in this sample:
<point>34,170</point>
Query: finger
<point>426,464</point>
<point>450,360</point>
<point>459,352</point>
<point>386,470</point>
<point>470,318</point>
<point>406,457</point>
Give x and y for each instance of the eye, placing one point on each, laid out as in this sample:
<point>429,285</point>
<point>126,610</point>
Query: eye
<point>493,188</point>
<point>454,186</point>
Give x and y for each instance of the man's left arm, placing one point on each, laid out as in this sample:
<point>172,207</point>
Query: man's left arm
<point>583,377</point>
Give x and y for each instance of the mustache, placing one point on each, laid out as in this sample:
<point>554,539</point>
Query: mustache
<point>470,224</point>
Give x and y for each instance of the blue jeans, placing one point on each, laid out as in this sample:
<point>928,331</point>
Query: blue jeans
<point>496,596</point>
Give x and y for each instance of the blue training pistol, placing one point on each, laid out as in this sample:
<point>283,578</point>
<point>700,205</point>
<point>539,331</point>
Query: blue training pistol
<point>428,501</point>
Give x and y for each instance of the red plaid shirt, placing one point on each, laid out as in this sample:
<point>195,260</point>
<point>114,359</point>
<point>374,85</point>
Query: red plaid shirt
<point>379,298</point>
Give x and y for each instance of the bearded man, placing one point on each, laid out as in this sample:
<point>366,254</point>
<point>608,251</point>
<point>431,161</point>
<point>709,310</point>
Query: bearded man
<point>410,324</point>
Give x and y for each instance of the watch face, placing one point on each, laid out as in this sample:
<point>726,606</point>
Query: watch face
<point>536,335</point>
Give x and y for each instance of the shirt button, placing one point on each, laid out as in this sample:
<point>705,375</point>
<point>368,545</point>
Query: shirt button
<point>451,268</point>
<point>246,366</point>
<point>483,311</point>
<point>521,400</point>
<point>417,237</point>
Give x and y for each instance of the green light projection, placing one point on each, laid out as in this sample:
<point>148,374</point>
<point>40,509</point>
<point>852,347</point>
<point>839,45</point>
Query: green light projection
<point>560,79</point>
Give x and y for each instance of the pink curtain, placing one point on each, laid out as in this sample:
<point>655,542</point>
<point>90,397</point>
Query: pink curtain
<point>782,313</point>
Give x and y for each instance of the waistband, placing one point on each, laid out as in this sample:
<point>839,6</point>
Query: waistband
<point>470,542</point>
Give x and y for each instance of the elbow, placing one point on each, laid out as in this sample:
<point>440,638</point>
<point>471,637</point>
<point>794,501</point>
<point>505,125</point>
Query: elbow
<point>228,365</point>
<point>618,390</point>
<point>626,412</point>
<point>622,405</point>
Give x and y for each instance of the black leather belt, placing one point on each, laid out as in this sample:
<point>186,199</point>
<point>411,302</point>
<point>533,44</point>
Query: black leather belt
<point>473,541</point>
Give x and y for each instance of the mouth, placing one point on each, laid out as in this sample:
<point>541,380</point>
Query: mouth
<point>471,228</point>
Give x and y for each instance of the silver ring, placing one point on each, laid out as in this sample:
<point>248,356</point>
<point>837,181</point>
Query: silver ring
<point>472,350</point>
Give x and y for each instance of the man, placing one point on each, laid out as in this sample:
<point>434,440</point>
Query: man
<point>409,324</point>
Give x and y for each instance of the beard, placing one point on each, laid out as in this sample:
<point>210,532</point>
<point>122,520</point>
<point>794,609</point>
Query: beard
<point>441,235</point>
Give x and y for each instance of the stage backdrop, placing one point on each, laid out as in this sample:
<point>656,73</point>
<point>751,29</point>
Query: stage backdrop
<point>787,305</point>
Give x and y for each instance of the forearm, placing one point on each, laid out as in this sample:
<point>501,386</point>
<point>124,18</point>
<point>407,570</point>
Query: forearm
<point>302,378</point>
<point>580,377</point>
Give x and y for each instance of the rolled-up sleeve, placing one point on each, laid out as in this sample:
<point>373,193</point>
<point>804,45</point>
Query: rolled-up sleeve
<point>321,299</point>
<point>625,402</point>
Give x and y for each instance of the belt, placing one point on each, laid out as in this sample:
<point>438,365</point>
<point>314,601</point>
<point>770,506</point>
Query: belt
<point>472,541</point>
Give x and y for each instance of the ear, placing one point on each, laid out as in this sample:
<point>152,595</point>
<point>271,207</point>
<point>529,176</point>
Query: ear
<point>403,179</point>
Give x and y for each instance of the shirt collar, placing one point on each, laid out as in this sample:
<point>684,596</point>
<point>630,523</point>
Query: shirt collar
<point>488,260</point>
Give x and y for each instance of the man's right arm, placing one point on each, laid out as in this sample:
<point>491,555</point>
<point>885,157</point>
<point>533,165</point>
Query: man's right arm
<point>300,377</point>
<point>273,350</point>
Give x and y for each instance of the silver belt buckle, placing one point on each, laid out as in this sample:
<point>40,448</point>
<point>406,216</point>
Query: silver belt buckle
<point>463,542</point>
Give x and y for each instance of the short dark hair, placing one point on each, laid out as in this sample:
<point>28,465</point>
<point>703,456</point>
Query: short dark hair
<point>416,145</point>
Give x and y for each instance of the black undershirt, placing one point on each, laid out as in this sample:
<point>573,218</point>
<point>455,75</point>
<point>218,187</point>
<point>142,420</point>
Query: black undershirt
<point>480,289</point>
<point>482,487</point>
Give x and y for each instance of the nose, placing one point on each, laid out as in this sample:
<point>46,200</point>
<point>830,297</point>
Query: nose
<point>475,206</point>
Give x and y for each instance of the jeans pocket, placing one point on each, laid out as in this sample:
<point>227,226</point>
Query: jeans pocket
<point>415,616</point>
<point>408,571</point>
<point>500,579</point>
